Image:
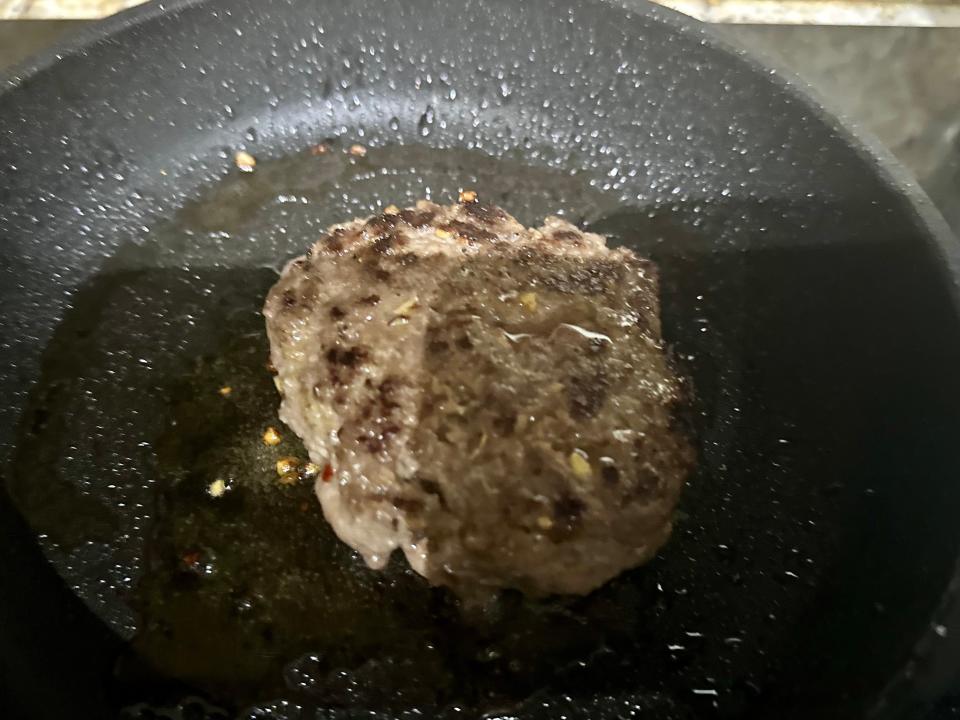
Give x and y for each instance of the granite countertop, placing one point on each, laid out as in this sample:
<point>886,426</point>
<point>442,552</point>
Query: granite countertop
<point>49,9</point>
<point>900,84</point>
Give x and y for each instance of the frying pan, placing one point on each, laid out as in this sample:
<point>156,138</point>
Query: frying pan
<point>809,295</point>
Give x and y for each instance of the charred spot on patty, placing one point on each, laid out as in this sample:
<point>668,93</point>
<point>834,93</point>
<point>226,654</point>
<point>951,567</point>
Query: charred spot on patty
<point>417,218</point>
<point>469,231</point>
<point>483,212</point>
<point>587,394</point>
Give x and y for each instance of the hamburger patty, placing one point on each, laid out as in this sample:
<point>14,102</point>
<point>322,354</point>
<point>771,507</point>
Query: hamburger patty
<point>491,399</point>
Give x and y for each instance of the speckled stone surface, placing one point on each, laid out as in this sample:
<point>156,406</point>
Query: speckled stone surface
<point>21,38</point>
<point>58,9</point>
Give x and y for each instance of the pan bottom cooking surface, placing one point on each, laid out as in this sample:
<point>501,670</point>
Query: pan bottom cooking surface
<point>249,600</point>
<point>807,292</point>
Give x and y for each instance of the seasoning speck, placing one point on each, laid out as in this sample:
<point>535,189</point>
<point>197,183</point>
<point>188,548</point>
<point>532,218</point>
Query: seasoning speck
<point>319,149</point>
<point>529,301</point>
<point>579,464</point>
<point>217,488</point>
<point>358,150</point>
<point>286,465</point>
<point>403,310</point>
<point>480,445</point>
<point>271,436</point>
<point>245,161</point>
<point>391,210</point>
<point>309,470</point>
<point>225,390</point>
<point>442,234</point>
<point>327,473</point>
<point>544,523</point>
<point>468,196</point>
<point>289,478</point>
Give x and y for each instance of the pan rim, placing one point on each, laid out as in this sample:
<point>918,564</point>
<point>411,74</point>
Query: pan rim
<point>938,237</point>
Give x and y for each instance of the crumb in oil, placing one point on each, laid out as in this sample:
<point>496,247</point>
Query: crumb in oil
<point>289,478</point>
<point>245,161</point>
<point>217,488</point>
<point>286,465</point>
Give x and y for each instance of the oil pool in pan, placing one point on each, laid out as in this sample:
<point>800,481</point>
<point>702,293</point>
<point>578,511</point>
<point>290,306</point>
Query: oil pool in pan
<point>244,596</point>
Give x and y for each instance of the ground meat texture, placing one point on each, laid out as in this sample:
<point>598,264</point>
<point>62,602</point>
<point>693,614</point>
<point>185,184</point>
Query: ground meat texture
<point>493,400</point>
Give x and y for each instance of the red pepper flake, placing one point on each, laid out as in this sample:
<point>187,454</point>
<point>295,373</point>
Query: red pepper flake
<point>327,473</point>
<point>191,558</point>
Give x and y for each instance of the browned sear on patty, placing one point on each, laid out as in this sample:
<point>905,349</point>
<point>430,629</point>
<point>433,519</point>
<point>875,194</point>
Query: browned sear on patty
<point>493,400</point>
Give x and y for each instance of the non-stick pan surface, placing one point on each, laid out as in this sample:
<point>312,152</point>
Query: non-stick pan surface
<point>808,294</point>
